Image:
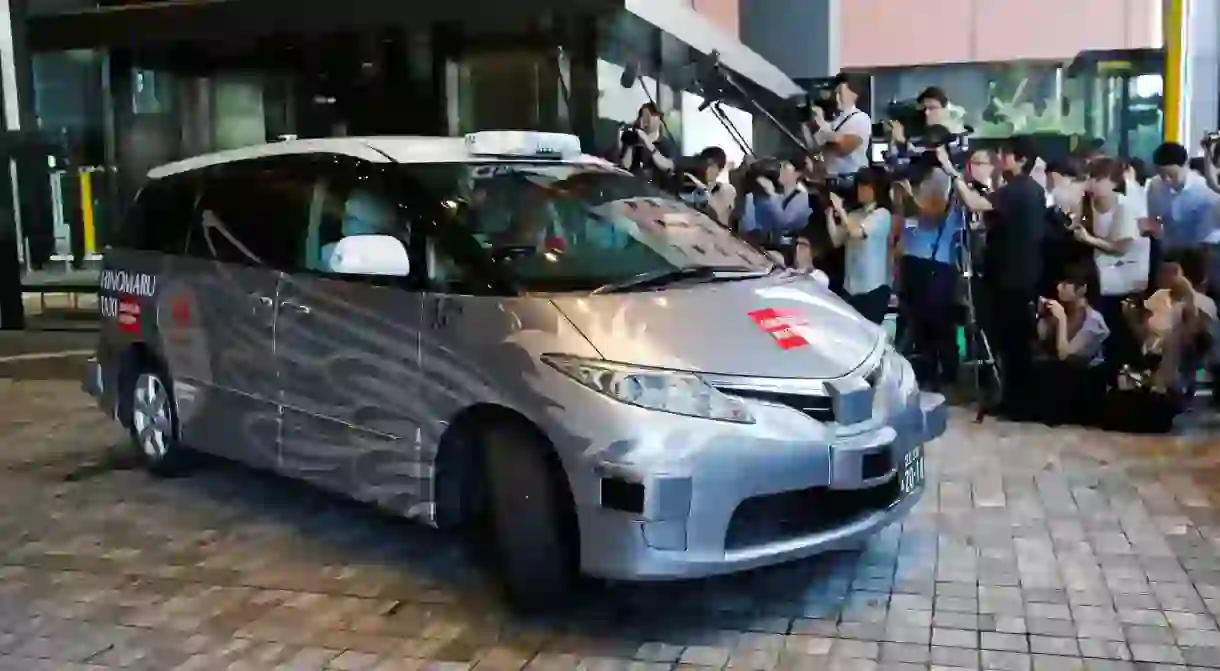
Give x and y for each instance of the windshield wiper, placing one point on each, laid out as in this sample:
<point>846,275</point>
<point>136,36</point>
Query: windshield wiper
<point>657,278</point>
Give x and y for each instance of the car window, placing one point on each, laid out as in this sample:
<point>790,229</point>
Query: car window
<point>341,211</point>
<point>253,213</point>
<point>567,227</point>
<point>161,215</point>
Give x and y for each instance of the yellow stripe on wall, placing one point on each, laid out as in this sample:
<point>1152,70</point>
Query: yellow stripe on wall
<point>1174,25</point>
<point>86,211</point>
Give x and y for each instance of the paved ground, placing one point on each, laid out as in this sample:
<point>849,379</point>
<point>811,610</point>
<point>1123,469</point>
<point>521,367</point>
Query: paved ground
<point>1033,549</point>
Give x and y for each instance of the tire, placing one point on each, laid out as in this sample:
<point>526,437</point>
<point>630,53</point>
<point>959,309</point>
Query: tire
<point>531,519</point>
<point>153,423</point>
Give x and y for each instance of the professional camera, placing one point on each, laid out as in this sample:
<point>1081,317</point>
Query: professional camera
<point>687,165</point>
<point>629,134</point>
<point>765,168</point>
<point>909,113</point>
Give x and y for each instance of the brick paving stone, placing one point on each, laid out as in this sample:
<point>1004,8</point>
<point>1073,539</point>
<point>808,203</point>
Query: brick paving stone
<point>1032,549</point>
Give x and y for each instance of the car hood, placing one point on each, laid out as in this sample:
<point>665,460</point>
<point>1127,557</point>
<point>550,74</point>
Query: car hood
<point>783,326</point>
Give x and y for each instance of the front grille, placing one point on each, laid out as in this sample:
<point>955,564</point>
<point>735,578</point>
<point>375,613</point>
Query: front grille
<point>817,407</point>
<point>779,517</point>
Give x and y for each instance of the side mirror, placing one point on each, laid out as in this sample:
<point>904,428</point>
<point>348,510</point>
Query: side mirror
<point>370,255</point>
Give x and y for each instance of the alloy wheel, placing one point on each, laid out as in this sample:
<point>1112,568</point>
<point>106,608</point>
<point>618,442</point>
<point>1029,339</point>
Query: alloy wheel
<point>151,416</point>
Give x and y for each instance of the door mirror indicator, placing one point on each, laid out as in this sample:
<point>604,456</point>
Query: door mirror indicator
<point>370,255</point>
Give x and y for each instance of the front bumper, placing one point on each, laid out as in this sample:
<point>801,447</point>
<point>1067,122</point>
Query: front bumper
<point>723,514</point>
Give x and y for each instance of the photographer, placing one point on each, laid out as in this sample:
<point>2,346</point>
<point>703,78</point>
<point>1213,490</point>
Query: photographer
<point>1015,217</point>
<point>1070,384</point>
<point>1107,225</point>
<point>777,205</point>
<point>928,274</point>
<point>843,141</point>
<point>1180,200</point>
<point>716,198</point>
<point>933,103</point>
<point>865,232</point>
<point>643,149</point>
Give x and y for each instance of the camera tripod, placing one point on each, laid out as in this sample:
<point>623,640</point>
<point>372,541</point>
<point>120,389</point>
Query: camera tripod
<point>978,345</point>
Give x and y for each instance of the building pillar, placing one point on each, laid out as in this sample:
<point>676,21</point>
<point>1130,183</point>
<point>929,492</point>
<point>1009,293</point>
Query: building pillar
<point>16,96</point>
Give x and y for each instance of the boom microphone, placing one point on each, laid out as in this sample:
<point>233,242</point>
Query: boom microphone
<point>631,72</point>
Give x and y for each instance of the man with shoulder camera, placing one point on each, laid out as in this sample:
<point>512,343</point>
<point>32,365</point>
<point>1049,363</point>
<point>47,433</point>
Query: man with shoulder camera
<point>933,102</point>
<point>1015,219</point>
<point>844,140</point>
<point>643,148</point>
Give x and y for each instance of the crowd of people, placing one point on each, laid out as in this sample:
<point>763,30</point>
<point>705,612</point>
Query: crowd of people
<point>1094,278</point>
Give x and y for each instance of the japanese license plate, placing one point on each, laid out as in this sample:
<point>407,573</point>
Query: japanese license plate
<point>911,476</point>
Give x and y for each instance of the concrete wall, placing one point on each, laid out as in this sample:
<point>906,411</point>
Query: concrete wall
<point>877,33</point>
<point>799,36</point>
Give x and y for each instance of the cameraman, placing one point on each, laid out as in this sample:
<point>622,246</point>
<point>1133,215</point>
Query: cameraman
<point>715,197</point>
<point>1015,219</point>
<point>933,102</point>
<point>643,149</point>
<point>843,141</point>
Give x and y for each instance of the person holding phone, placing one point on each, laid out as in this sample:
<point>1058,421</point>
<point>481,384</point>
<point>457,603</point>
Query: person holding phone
<point>1069,382</point>
<point>865,235</point>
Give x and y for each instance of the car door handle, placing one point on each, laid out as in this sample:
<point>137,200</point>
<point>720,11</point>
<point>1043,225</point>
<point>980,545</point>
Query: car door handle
<point>296,307</point>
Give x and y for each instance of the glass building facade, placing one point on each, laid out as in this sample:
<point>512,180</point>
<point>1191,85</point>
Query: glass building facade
<point>1018,97</point>
<point>111,111</point>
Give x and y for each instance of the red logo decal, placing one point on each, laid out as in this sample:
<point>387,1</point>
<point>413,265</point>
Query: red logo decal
<point>180,311</point>
<point>778,324</point>
<point>129,315</point>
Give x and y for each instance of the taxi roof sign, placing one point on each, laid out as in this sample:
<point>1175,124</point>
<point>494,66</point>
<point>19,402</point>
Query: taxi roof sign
<point>523,144</point>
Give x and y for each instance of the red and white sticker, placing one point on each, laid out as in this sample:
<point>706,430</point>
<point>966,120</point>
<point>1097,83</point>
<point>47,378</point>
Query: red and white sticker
<point>129,314</point>
<point>779,324</point>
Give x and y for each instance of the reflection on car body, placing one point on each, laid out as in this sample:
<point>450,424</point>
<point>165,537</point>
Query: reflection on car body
<point>463,330</point>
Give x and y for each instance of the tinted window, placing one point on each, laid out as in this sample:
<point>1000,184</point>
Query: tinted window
<point>161,215</point>
<point>348,199</point>
<point>564,227</point>
<point>253,213</point>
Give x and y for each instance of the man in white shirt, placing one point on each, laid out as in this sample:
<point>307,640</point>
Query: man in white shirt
<point>843,141</point>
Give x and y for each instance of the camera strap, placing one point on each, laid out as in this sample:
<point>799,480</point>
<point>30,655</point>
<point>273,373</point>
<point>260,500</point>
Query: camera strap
<point>839,123</point>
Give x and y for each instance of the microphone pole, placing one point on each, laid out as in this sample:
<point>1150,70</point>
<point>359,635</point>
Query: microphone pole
<point>732,82</point>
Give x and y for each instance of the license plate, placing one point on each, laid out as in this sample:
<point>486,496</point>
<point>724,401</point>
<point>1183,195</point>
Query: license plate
<point>910,477</point>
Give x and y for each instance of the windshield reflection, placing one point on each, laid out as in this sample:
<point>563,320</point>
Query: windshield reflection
<point>566,227</point>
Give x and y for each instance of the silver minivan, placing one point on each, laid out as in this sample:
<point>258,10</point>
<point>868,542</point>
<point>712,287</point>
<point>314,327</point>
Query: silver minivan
<point>498,330</point>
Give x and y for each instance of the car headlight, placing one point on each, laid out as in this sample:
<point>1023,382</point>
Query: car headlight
<point>665,390</point>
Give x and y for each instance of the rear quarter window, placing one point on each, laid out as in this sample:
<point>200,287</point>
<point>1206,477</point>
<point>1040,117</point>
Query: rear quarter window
<point>160,218</point>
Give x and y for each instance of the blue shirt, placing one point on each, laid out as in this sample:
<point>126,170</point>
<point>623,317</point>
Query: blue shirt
<point>868,259</point>
<point>784,214</point>
<point>919,240</point>
<point>1188,215</point>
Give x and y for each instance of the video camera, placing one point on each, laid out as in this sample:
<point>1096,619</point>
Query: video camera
<point>629,134</point>
<point>909,113</point>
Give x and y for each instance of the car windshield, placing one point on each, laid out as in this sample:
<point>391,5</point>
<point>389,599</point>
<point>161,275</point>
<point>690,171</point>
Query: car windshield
<point>582,227</point>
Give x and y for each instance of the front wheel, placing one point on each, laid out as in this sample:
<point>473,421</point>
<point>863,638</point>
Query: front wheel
<point>154,424</point>
<point>532,520</point>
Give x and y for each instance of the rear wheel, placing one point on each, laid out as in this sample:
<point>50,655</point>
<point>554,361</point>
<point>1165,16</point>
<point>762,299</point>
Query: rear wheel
<point>532,520</point>
<point>154,423</point>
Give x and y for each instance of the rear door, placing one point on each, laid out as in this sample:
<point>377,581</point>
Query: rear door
<point>347,350</point>
<point>250,219</point>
